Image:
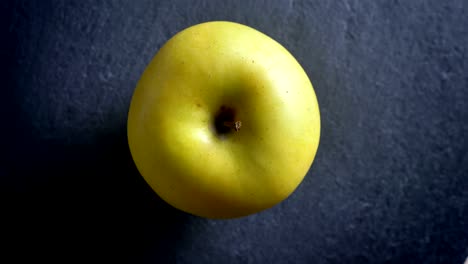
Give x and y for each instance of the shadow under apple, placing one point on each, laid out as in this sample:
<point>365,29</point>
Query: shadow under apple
<point>86,200</point>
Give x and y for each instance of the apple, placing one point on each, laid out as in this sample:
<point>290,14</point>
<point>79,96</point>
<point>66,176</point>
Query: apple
<point>224,122</point>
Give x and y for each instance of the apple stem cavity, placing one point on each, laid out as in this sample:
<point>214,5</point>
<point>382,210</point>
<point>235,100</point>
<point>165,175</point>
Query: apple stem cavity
<point>225,121</point>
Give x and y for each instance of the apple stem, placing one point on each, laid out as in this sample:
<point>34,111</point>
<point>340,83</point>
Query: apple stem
<point>236,125</point>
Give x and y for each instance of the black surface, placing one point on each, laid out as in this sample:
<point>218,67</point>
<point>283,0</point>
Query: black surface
<point>389,183</point>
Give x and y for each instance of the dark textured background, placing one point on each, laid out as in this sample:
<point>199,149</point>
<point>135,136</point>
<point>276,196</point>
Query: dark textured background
<point>389,183</point>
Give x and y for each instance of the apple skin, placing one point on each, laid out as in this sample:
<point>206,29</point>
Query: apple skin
<point>171,131</point>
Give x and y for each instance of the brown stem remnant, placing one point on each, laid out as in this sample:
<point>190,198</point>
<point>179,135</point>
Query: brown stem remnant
<point>236,125</point>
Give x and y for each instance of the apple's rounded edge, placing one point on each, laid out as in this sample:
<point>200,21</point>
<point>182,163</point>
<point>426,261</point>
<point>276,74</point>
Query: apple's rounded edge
<point>129,129</point>
<point>319,122</point>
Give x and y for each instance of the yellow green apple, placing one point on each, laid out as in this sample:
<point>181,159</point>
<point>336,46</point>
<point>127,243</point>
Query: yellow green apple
<point>224,121</point>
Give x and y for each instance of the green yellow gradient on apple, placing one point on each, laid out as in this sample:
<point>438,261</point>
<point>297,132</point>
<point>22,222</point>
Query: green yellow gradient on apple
<point>171,131</point>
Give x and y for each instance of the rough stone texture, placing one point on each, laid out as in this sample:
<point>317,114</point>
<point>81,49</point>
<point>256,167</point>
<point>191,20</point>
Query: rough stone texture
<point>389,184</point>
